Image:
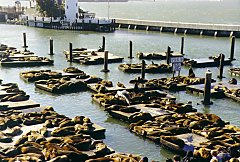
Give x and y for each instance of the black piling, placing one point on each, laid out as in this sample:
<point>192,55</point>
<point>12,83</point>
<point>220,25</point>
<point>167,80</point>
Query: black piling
<point>232,48</point>
<point>51,46</point>
<point>182,45</point>
<point>207,89</point>
<point>168,55</point>
<point>143,69</point>
<point>105,68</point>
<point>130,50</point>
<point>70,52</point>
<point>221,65</point>
<point>25,42</point>
<point>103,43</point>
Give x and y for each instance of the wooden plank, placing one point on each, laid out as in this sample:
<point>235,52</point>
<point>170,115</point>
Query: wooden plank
<point>73,85</point>
<point>218,94</point>
<point>136,68</point>
<point>20,104</point>
<point>26,63</point>
<point>156,55</point>
<point>205,62</point>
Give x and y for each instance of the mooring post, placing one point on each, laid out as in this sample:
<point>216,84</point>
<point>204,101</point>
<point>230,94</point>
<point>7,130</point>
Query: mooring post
<point>105,68</point>
<point>103,43</point>
<point>70,52</point>
<point>207,88</point>
<point>130,50</point>
<point>143,69</point>
<point>168,54</point>
<point>51,47</point>
<point>221,65</point>
<point>182,45</point>
<point>25,42</point>
<point>232,48</point>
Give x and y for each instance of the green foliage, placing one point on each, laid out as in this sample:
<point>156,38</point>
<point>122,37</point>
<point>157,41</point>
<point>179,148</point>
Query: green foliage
<point>49,8</point>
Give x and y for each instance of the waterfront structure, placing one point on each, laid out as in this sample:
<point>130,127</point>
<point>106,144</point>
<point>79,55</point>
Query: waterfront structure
<point>221,30</point>
<point>73,20</point>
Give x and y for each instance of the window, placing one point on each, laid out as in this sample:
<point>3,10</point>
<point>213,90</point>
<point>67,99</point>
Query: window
<point>67,6</point>
<point>76,4</point>
<point>76,15</point>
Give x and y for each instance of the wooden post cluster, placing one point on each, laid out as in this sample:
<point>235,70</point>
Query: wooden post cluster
<point>182,45</point>
<point>207,88</point>
<point>143,69</point>
<point>70,52</point>
<point>130,50</point>
<point>221,65</point>
<point>51,46</point>
<point>232,48</point>
<point>103,43</point>
<point>168,55</point>
<point>105,68</point>
<point>25,42</point>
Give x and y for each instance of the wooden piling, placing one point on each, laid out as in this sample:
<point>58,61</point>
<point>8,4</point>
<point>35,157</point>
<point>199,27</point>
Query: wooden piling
<point>182,45</point>
<point>232,48</point>
<point>207,88</point>
<point>70,52</point>
<point>168,55</point>
<point>143,69</point>
<point>103,43</point>
<point>51,46</point>
<point>25,42</point>
<point>130,50</point>
<point>105,68</point>
<point>222,57</point>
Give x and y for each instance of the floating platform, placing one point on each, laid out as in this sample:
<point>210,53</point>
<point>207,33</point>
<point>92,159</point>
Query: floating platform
<point>217,89</point>
<point>70,86</point>
<point>178,83</point>
<point>16,63</point>
<point>20,104</point>
<point>190,139</point>
<point>205,62</point>
<point>32,76</point>
<point>143,108</point>
<point>157,55</point>
<point>152,68</point>
<point>90,58</point>
<point>93,87</point>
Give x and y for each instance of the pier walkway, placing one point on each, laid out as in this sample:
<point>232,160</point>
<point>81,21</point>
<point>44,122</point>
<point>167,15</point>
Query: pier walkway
<point>219,30</point>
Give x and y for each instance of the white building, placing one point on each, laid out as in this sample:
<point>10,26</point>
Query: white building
<point>71,10</point>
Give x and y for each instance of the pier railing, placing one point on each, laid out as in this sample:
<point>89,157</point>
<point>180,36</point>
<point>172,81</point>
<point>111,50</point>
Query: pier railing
<point>180,27</point>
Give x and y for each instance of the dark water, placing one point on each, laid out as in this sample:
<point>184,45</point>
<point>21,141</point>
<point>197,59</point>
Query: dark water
<point>117,135</point>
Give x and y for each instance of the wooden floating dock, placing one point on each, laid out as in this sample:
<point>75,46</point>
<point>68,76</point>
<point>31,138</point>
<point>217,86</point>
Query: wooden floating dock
<point>94,58</point>
<point>156,55</point>
<point>143,108</point>
<point>70,86</point>
<point>93,87</point>
<point>174,84</point>
<point>20,104</point>
<point>190,139</point>
<point>205,62</point>
<point>32,76</point>
<point>217,89</point>
<point>16,63</point>
<point>151,68</point>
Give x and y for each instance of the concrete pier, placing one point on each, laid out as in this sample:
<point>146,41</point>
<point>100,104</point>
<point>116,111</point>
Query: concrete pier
<point>218,30</point>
